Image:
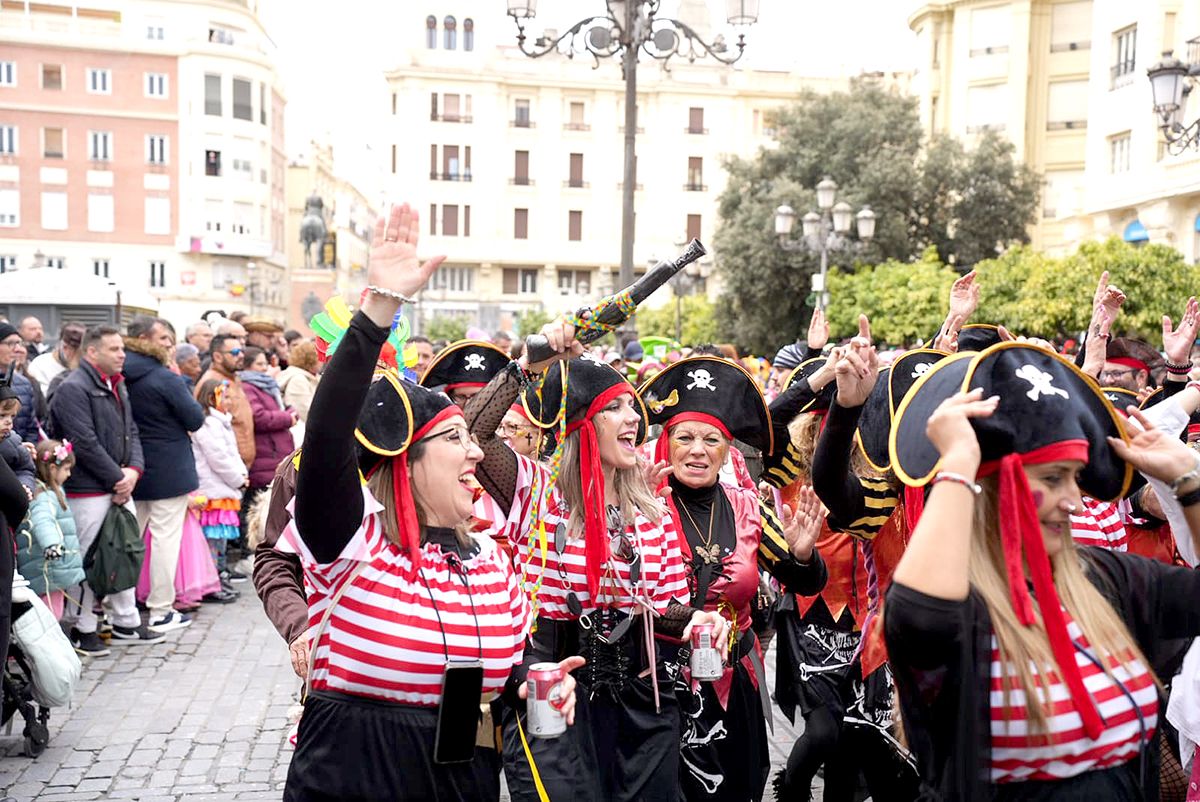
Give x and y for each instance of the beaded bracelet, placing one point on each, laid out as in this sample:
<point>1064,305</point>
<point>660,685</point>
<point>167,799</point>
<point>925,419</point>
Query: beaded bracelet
<point>958,479</point>
<point>386,293</point>
<point>1178,370</point>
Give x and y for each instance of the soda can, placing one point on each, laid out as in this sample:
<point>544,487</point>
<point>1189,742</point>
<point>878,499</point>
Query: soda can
<point>544,705</point>
<point>705,662</point>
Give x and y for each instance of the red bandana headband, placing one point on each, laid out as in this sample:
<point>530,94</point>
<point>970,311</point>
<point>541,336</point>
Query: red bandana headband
<point>1021,537</point>
<point>406,507</point>
<point>591,471</point>
<point>1130,362</point>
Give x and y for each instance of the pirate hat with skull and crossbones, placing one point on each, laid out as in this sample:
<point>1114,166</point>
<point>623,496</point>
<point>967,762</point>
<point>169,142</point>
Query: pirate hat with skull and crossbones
<point>466,363</point>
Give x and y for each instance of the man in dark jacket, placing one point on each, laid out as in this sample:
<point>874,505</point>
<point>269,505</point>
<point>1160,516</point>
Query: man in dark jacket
<point>91,409</point>
<point>165,412</point>
<point>26,423</point>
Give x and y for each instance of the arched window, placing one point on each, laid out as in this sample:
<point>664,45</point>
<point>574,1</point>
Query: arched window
<point>468,34</point>
<point>431,32</point>
<point>451,28</point>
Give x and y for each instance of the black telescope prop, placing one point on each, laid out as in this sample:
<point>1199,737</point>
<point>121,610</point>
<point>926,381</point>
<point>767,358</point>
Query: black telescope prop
<point>538,348</point>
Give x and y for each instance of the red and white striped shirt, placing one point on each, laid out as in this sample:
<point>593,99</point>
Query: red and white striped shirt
<point>384,639</point>
<point>1065,750</point>
<point>662,576</point>
<point>1099,523</point>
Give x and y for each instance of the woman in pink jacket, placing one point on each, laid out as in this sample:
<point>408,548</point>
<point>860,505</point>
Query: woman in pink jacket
<point>272,421</point>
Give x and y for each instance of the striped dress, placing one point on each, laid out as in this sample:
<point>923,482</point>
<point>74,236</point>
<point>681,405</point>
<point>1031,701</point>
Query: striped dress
<point>388,637</point>
<point>1067,751</point>
<point>1100,524</point>
<point>550,575</point>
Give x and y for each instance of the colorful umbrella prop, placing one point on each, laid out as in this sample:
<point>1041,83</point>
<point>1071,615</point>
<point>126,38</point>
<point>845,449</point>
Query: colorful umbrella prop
<point>331,325</point>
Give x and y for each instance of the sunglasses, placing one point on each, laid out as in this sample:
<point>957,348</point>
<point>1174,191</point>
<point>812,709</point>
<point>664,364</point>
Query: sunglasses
<point>234,352</point>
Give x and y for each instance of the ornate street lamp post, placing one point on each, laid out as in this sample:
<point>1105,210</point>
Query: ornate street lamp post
<point>1171,81</point>
<point>823,232</point>
<point>627,27</point>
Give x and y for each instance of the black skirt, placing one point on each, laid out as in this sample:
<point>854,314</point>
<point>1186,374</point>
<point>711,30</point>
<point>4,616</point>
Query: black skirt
<point>814,662</point>
<point>352,749</point>
<point>723,754</point>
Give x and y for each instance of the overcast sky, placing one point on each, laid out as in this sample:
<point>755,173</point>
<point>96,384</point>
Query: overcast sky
<point>332,63</point>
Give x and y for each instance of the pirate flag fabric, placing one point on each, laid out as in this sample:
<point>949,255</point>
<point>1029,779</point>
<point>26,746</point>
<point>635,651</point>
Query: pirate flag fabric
<point>1049,411</point>
<point>875,423</point>
<point>396,414</point>
<point>714,391</point>
<point>466,363</point>
<point>977,336</point>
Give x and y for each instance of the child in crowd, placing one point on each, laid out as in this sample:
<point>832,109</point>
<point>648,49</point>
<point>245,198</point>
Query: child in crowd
<point>12,448</point>
<point>222,473</point>
<point>47,546</point>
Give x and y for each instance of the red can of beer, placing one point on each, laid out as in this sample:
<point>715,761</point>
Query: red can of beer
<point>544,705</point>
<point>705,662</point>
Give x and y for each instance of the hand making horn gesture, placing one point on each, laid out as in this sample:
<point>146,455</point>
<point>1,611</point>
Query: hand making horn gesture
<point>858,368</point>
<point>394,273</point>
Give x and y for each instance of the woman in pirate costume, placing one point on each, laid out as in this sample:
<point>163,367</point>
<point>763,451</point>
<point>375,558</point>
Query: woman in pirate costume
<point>603,566</point>
<point>703,404</point>
<point>464,368</point>
<point>1020,658</point>
<point>401,600</point>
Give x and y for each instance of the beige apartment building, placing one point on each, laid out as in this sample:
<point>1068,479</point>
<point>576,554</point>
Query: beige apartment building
<point>1021,69</point>
<point>141,141</point>
<point>518,161</point>
<point>350,220</point>
<point>1134,186</point>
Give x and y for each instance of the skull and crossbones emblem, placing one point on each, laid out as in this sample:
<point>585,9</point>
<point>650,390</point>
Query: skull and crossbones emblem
<point>920,369</point>
<point>1041,383</point>
<point>701,379</point>
<point>474,362</point>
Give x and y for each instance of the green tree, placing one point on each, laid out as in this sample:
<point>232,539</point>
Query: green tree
<point>531,320</point>
<point>906,302</point>
<point>1031,293</point>
<point>966,204</point>
<point>446,328</point>
<point>698,317</point>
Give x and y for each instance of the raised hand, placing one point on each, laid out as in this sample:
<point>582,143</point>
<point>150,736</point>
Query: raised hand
<point>655,473</point>
<point>802,527</point>
<point>964,298</point>
<point>561,336</point>
<point>1177,342</point>
<point>818,330</point>
<point>393,264</point>
<point>1151,450</point>
<point>1108,296</point>
<point>858,368</point>
<point>947,338</point>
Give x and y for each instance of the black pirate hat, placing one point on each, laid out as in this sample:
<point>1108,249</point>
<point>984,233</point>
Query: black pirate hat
<point>875,422</point>
<point>1048,411</point>
<point>590,383</point>
<point>466,363</point>
<point>977,336</point>
<point>396,414</point>
<point>712,390</point>
<point>806,369</point>
<point>1155,397</point>
<point>1121,398</point>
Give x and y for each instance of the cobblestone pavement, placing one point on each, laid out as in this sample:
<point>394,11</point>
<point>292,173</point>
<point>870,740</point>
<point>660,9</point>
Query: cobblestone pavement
<point>200,717</point>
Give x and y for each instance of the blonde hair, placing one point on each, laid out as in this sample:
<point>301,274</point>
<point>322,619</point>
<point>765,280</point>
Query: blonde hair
<point>381,487</point>
<point>1026,650</point>
<point>805,430</point>
<point>633,494</point>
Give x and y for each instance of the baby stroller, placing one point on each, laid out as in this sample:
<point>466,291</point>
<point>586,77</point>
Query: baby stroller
<point>42,667</point>
<point>19,695</point>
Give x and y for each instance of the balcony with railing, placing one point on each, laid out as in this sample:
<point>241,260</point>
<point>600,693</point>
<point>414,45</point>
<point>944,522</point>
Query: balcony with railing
<point>522,123</point>
<point>695,187</point>
<point>690,130</point>
<point>436,176</point>
<point>576,183</point>
<point>520,181</point>
<point>451,118</point>
<point>1193,50</point>
<point>573,126</point>
<point>1122,73</point>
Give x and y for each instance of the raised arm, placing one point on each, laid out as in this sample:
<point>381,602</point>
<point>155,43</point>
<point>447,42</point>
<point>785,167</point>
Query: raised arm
<point>329,504</point>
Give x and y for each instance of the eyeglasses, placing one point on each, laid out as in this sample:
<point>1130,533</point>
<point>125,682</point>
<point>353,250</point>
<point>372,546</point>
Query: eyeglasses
<point>1116,374</point>
<point>459,435</point>
<point>511,429</point>
<point>11,343</point>
<point>234,352</point>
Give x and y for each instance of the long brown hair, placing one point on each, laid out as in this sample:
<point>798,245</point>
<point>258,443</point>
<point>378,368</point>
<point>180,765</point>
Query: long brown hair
<point>633,494</point>
<point>1027,649</point>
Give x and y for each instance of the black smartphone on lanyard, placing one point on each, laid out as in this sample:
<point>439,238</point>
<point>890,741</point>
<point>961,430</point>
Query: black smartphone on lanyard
<point>459,713</point>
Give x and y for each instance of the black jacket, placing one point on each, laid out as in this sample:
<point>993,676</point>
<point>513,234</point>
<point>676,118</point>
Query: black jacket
<point>940,654</point>
<point>13,506</point>
<point>165,413</point>
<point>100,425</point>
